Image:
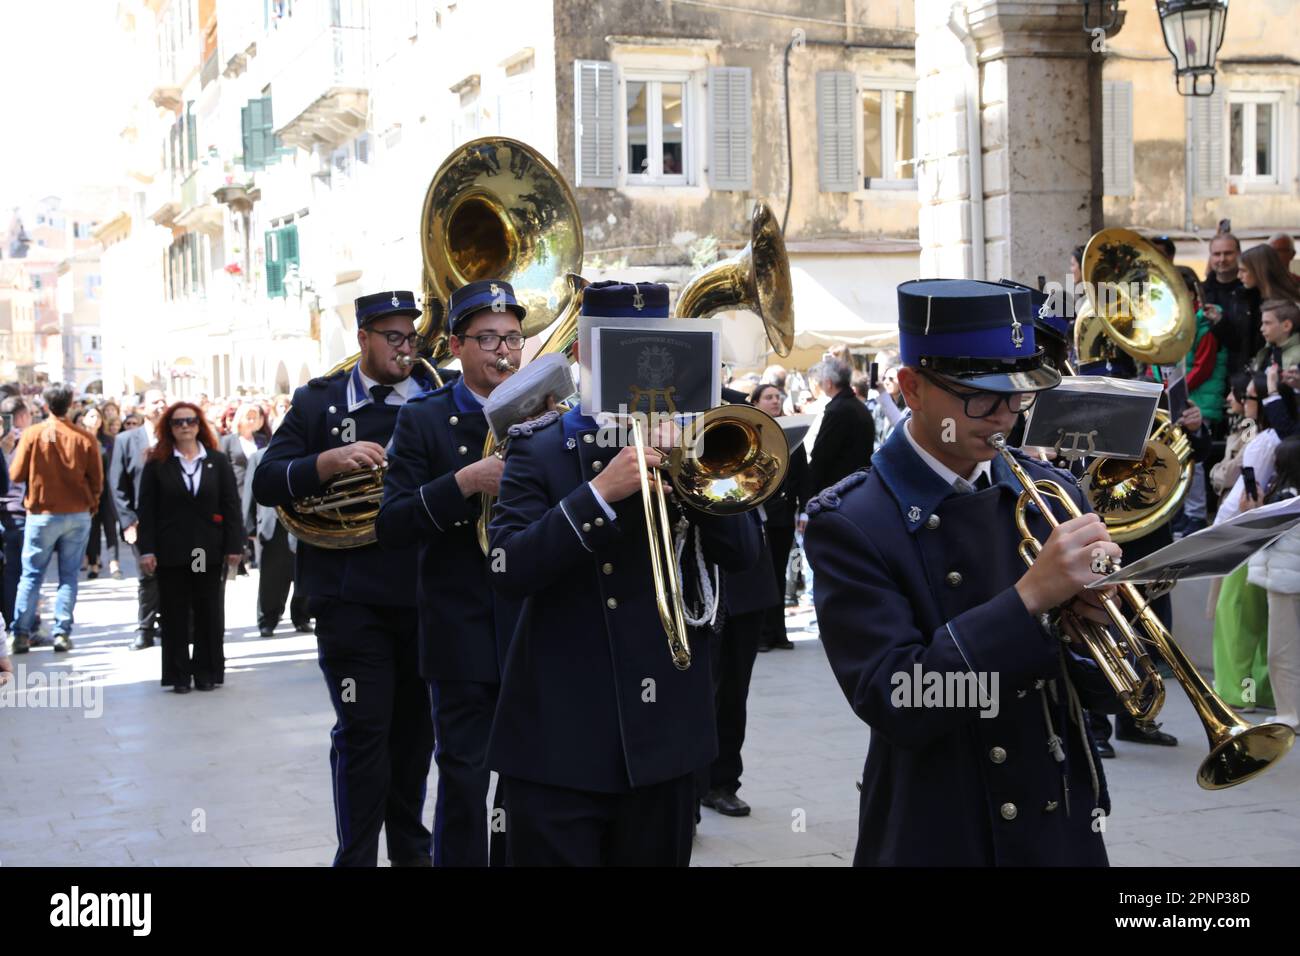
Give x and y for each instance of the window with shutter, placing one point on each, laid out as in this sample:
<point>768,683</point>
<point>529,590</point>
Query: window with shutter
<point>594,133</point>
<point>1117,137</point>
<point>274,269</point>
<point>836,142</point>
<point>1207,143</point>
<point>730,128</point>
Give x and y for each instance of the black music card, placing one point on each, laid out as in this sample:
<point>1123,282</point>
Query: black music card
<point>1093,416</point>
<point>655,370</point>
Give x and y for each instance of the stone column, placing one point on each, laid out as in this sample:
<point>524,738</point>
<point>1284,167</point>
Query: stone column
<point>1037,148</point>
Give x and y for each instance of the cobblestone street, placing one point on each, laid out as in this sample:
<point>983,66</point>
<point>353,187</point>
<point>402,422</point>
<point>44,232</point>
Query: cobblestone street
<point>241,776</point>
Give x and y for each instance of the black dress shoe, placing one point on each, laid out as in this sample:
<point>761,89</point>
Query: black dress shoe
<point>785,645</point>
<point>1105,749</point>
<point>181,689</point>
<point>728,804</point>
<point>142,641</point>
<point>266,631</point>
<point>304,628</point>
<point>1151,734</point>
<point>204,685</point>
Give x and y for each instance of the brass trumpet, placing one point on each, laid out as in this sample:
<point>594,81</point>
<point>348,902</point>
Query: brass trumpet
<point>1238,751</point>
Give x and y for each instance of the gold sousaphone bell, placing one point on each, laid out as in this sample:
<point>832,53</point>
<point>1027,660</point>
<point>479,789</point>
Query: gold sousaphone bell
<point>1138,303</point>
<point>495,209</point>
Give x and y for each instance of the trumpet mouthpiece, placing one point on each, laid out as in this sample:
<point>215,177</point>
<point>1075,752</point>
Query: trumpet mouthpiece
<point>998,440</point>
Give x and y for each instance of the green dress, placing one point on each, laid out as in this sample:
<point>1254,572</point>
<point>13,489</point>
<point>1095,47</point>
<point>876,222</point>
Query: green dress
<point>1241,642</point>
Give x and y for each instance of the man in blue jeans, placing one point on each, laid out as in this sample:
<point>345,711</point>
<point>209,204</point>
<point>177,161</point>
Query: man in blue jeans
<point>64,473</point>
<point>14,414</point>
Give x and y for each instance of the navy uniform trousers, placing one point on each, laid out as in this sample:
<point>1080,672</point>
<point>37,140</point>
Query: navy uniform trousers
<point>382,737</point>
<point>363,600</point>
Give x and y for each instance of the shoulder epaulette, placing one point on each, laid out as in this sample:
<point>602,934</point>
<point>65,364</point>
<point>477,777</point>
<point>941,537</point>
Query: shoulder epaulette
<point>829,498</point>
<point>322,381</point>
<point>525,429</point>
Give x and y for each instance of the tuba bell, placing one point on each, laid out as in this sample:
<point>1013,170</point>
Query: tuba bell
<point>1138,303</point>
<point>757,278</point>
<point>495,209</point>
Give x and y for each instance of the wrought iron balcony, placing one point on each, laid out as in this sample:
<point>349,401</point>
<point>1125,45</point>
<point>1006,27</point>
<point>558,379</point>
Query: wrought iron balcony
<point>321,93</point>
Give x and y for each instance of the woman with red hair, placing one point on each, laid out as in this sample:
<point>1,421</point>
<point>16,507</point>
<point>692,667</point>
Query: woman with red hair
<point>190,530</point>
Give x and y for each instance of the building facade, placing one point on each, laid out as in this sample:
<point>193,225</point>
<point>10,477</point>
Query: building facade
<point>276,153</point>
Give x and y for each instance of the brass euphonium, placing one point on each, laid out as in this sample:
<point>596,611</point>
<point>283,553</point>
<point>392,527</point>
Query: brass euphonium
<point>1238,750</point>
<point>1138,303</point>
<point>342,515</point>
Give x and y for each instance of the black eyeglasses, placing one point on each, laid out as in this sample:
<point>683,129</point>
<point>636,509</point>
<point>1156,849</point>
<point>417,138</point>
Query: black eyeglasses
<point>981,404</point>
<point>395,339</point>
<point>185,423</point>
<point>489,341</point>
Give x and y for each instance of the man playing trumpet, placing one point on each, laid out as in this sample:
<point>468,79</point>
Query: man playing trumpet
<point>939,637</point>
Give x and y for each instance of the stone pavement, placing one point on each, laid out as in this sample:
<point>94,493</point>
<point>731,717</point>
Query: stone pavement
<point>241,776</point>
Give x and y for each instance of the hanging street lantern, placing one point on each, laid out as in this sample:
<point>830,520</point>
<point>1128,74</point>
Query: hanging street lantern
<point>1193,31</point>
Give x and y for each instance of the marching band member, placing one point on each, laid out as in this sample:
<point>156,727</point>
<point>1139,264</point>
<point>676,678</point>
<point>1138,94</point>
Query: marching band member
<point>431,499</point>
<point>363,598</point>
<point>920,584</point>
<point>597,735</point>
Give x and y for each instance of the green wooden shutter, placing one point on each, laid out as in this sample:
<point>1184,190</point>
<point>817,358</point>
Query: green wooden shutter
<point>246,133</point>
<point>272,148</point>
<point>289,245</point>
<point>274,268</point>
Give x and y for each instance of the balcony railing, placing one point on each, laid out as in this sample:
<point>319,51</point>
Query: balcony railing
<point>198,207</point>
<point>321,94</point>
<point>162,199</point>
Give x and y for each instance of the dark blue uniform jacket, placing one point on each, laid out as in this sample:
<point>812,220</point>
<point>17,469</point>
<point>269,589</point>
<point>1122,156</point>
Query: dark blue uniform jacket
<point>590,698</point>
<point>913,578</point>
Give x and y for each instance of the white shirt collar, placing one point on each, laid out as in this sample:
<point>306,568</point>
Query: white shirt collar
<point>406,389</point>
<point>939,468</point>
<point>203,453</point>
<point>482,400</point>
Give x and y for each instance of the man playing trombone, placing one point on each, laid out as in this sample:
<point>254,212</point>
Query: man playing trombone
<point>436,475</point>
<point>940,638</point>
<point>597,732</point>
<point>362,595</point>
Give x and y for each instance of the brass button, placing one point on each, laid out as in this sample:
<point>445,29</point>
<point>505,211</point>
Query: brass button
<point>1051,805</point>
<point>953,578</point>
<point>998,755</point>
<point>612,603</point>
<point>333,410</point>
<point>932,522</point>
<point>453,420</point>
<point>607,568</point>
<point>1009,811</point>
<point>463,450</point>
<point>334,430</point>
<point>600,522</point>
<point>597,465</point>
<point>586,526</point>
<point>589,438</point>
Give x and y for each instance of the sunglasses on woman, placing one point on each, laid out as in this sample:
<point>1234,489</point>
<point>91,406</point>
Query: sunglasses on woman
<point>187,422</point>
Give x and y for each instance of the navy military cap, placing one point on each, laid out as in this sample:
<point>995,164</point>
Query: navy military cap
<point>626,300</point>
<point>1053,330</point>
<point>377,305</point>
<point>981,333</point>
<point>495,294</point>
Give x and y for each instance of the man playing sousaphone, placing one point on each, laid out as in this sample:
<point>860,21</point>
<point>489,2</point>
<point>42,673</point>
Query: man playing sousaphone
<point>597,732</point>
<point>432,491</point>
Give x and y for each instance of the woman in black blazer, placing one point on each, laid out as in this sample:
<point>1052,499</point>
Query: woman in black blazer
<point>783,510</point>
<point>190,530</point>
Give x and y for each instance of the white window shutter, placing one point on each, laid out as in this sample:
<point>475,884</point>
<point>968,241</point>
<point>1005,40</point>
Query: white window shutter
<point>1117,137</point>
<point>1207,143</point>
<point>594,123</point>
<point>837,154</point>
<point>731,143</point>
